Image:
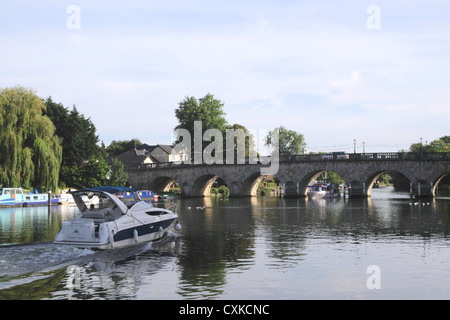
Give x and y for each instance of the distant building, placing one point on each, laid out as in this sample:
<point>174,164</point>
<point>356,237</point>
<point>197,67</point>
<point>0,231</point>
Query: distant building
<point>134,157</point>
<point>161,153</point>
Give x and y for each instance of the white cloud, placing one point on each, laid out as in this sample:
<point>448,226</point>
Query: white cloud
<point>304,66</point>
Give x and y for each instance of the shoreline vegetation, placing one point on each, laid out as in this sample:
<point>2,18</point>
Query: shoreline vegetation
<point>46,146</point>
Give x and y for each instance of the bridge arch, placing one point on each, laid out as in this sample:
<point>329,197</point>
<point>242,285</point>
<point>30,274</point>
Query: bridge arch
<point>371,180</point>
<point>437,180</point>
<point>250,184</point>
<point>202,180</point>
<point>374,172</point>
<point>308,177</point>
<point>162,184</point>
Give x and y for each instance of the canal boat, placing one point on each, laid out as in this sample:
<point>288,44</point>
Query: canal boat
<point>143,194</point>
<point>10,197</point>
<point>115,221</point>
<point>322,190</point>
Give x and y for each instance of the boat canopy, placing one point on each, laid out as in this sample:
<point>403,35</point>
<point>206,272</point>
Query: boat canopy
<point>103,192</point>
<point>109,189</point>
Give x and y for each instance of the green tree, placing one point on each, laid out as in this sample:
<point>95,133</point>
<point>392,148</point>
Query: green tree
<point>79,141</point>
<point>30,151</point>
<point>401,183</point>
<point>331,177</point>
<point>94,173</point>
<point>290,141</point>
<point>249,139</point>
<point>118,147</point>
<point>118,177</point>
<point>208,110</point>
<point>439,145</point>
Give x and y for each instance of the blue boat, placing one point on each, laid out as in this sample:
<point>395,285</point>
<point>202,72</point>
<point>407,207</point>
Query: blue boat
<point>16,197</point>
<point>144,194</point>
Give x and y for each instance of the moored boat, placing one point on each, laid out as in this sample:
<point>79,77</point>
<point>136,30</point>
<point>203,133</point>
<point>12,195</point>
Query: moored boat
<point>322,190</point>
<point>16,197</point>
<point>115,221</point>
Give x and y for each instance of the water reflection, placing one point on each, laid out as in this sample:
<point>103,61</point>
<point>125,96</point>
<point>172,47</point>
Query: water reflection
<point>282,233</point>
<point>249,248</point>
<point>32,224</point>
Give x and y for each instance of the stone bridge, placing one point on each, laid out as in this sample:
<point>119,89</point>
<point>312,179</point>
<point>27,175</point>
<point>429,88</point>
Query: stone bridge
<point>295,173</point>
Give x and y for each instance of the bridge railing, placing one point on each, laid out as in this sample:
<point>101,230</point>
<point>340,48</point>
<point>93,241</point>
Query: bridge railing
<point>402,156</point>
<point>378,156</point>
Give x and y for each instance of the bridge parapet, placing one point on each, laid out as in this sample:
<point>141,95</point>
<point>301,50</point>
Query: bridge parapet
<point>378,156</point>
<point>400,156</point>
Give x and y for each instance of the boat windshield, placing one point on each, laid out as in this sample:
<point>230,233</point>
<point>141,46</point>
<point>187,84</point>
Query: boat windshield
<point>129,198</point>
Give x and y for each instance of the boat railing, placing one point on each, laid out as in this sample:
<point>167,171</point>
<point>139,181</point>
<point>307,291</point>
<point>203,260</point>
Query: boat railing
<point>172,207</point>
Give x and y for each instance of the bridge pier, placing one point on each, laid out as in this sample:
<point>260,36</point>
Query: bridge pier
<point>358,189</point>
<point>422,190</point>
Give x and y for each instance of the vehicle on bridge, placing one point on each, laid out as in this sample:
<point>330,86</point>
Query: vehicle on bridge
<point>336,155</point>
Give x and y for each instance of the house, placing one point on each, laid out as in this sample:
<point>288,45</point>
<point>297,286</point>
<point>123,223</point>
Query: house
<point>161,153</point>
<point>134,157</point>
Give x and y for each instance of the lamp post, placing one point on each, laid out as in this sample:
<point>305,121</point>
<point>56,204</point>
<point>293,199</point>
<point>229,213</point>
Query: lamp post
<point>354,145</point>
<point>421,146</point>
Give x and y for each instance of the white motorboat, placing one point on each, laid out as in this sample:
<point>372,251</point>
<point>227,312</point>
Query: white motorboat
<point>322,190</point>
<point>115,220</point>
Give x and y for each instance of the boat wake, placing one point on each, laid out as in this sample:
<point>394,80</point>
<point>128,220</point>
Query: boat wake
<point>24,259</point>
<point>21,265</point>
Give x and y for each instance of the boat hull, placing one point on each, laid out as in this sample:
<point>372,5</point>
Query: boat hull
<point>81,234</point>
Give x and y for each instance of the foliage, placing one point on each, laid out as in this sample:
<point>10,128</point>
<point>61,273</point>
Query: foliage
<point>331,177</point>
<point>118,177</point>
<point>290,141</point>
<point>401,183</point>
<point>439,145</point>
<point>208,110</point>
<point>223,191</point>
<point>249,139</point>
<point>93,173</point>
<point>79,140</point>
<point>79,145</point>
<point>118,147</point>
<point>30,151</point>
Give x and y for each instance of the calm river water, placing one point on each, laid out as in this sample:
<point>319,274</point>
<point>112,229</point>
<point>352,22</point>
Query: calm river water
<point>386,247</point>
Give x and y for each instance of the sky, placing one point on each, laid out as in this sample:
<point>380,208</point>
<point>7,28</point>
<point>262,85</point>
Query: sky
<point>374,72</point>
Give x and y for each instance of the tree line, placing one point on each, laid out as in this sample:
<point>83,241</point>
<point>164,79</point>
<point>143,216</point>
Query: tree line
<point>45,145</point>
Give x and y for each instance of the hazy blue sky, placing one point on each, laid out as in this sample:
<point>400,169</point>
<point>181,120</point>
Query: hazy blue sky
<point>374,71</point>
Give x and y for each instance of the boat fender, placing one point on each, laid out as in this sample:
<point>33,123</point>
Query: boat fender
<point>177,227</point>
<point>161,230</point>
<point>135,235</point>
<point>111,239</point>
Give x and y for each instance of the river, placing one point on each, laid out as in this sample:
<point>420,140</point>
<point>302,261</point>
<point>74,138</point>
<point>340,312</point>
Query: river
<point>265,248</point>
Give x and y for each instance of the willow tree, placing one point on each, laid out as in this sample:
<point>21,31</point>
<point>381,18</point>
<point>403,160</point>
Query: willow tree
<point>30,152</point>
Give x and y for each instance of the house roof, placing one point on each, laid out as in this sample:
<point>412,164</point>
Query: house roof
<point>166,148</point>
<point>132,156</point>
